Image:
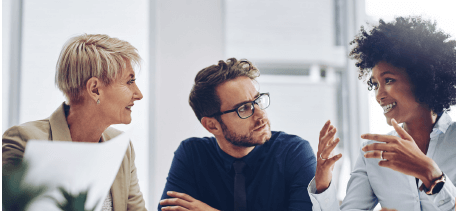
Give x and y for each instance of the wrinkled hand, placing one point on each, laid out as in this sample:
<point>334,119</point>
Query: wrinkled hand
<point>182,201</point>
<point>402,154</point>
<point>325,158</point>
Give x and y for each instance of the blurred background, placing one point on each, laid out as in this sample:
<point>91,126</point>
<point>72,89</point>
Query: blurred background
<point>300,47</point>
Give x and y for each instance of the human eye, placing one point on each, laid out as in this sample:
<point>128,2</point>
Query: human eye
<point>389,80</point>
<point>242,108</point>
<point>131,81</point>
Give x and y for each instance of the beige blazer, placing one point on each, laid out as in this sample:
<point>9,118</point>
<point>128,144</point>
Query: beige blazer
<point>125,189</point>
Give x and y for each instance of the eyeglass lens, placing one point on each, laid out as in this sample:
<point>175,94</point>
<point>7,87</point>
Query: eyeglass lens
<point>246,110</point>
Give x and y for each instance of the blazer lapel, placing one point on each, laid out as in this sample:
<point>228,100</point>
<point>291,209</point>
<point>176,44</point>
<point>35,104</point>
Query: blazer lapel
<point>118,190</point>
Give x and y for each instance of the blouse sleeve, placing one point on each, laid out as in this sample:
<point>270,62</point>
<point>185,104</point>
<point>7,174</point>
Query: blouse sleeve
<point>360,195</point>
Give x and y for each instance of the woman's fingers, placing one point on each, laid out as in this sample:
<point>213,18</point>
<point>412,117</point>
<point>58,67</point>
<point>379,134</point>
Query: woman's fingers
<point>380,154</point>
<point>378,146</point>
<point>400,131</point>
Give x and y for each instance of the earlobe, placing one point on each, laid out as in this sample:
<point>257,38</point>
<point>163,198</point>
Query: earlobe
<point>92,89</point>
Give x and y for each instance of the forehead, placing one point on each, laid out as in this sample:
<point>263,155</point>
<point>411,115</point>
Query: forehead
<point>127,72</point>
<point>383,68</point>
<point>235,91</point>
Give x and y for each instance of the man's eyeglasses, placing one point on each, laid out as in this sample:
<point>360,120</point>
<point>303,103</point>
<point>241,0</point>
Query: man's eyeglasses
<point>247,109</point>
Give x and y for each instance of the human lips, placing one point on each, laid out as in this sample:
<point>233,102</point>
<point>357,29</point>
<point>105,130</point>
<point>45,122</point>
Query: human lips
<point>387,108</point>
<point>260,127</point>
<point>129,107</point>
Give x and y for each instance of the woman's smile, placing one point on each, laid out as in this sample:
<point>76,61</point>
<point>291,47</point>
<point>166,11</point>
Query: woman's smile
<point>387,108</point>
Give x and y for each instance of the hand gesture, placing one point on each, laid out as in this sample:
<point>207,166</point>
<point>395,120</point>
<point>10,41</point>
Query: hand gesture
<point>402,154</point>
<point>386,209</point>
<point>182,201</point>
<point>325,158</point>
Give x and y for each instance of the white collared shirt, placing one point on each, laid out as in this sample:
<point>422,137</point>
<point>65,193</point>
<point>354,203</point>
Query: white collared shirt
<point>371,184</point>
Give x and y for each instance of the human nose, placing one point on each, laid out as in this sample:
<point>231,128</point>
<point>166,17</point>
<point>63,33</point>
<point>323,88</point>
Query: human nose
<point>137,95</point>
<point>380,94</point>
<point>258,112</point>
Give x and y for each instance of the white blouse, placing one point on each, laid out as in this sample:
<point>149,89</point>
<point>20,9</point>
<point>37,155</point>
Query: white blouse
<point>371,184</point>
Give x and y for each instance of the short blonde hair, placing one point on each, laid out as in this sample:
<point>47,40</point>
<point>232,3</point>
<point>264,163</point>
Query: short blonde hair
<point>92,55</point>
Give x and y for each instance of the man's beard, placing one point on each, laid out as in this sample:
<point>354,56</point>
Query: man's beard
<point>241,140</point>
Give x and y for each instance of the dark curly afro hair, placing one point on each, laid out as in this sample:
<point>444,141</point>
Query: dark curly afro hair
<point>426,53</point>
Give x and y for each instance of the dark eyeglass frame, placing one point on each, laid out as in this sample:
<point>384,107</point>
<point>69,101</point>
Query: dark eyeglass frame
<point>253,109</point>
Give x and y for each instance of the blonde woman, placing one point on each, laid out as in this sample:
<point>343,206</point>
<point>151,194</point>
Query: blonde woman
<point>95,73</point>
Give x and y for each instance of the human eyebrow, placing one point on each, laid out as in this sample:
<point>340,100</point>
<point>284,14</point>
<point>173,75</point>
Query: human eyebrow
<point>387,72</point>
<point>247,101</point>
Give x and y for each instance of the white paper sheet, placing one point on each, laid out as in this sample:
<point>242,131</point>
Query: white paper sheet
<point>75,166</point>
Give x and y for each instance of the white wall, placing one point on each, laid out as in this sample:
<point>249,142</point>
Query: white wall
<point>189,38</point>
<point>6,32</point>
<point>299,105</point>
<point>283,31</point>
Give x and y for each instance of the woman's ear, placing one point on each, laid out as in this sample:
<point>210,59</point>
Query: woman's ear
<point>212,125</point>
<point>92,86</point>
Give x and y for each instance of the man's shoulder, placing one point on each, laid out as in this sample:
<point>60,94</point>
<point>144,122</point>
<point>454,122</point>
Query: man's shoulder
<point>199,140</point>
<point>284,142</point>
<point>196,148</point>
<point>285,138</point>
<point>200,143</point>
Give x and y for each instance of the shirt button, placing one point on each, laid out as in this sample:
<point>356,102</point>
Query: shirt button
<point>441,202</point>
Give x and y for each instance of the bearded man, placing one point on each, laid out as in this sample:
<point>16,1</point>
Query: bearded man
<point>244,166</point>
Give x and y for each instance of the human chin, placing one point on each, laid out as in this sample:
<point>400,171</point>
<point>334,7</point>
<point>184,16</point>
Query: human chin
<point>263,134</point>
<point>245,140</point>
<point>126,117</point>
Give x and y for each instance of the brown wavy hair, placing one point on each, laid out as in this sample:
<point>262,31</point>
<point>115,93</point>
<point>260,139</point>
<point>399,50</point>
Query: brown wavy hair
<point>203,97</point>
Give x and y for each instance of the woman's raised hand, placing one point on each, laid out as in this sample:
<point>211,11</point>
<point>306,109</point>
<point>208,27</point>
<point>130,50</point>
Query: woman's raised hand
<point>325,158</point>
<point>401,154</point>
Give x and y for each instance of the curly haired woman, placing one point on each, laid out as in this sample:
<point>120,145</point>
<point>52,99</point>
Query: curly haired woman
<point>411,65</point>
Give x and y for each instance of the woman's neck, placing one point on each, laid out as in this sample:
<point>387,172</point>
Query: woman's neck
<point>420,129</point>
<point>84,124</point>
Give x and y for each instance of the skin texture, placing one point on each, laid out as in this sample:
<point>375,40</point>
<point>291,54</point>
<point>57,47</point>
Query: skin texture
<point>391,84</point>
<point>87,120</point>
<point>118,95</point>
<point>407,153</point>
<point>255,130</point>
<point>325,160</point>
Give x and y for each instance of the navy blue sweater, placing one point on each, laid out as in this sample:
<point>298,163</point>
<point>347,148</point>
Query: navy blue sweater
<point>277,173</point>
